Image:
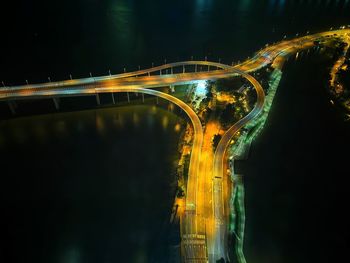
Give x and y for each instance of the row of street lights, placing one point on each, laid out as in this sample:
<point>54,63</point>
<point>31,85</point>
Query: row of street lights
<point>109,71</point>
<point>165,60</point>
<point>124,69</point>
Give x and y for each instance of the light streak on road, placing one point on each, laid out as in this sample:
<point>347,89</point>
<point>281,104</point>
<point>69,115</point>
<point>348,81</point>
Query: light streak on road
<point>142,81</point>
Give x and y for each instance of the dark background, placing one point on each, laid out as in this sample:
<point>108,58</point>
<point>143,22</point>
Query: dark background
<point>296,178</point>
<point>58,38</point>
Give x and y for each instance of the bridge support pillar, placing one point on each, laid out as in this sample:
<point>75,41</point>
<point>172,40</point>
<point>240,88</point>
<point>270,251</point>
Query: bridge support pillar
<point>195,68</point>
<point>160,72</point>
<point>172,71</point>
<point>172,88</point>
<point>56,102</point>
<point>12,105</point>
<point>208,68</point>
<point>149,74</point>
<point>127,94</point>
<point>113,100</point>
<point>143,98</point>
<point>183,68</point>
<point>98,99</point>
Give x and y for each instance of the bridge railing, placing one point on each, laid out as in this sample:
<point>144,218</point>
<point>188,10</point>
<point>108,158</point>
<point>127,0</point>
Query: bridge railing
<point>165,69</point>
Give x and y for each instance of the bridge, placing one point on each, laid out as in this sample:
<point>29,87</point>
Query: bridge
<point>204,224</point>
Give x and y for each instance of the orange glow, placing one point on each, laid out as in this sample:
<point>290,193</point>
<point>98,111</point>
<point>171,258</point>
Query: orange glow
<point>177,127</point>
<point>165,122</point>
<point>136,118</point>
<point>100,125</point>
<point>225,97</point>
<point>205,164</point>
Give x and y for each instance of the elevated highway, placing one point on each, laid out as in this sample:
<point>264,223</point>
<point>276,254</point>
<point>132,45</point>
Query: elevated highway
<point>198,247</point>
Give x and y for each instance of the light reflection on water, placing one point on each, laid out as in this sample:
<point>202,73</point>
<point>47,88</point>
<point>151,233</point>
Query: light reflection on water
<point>141,32</point>
<point>72,255</point>
<point>42,128</point>
<point>100,125</point>
<point>101,176</point>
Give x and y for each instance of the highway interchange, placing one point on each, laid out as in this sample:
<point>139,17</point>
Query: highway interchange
<point>204,226</point>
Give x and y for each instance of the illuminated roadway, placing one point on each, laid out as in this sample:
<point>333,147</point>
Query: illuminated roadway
<point>142,84</point>
<point>220,168</point>
<point>142,81</point>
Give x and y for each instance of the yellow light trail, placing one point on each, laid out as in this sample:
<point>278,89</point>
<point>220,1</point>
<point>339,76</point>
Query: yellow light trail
<point>201,212</point>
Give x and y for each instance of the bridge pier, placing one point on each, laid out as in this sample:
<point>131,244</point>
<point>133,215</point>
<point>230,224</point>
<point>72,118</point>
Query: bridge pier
<point>127,94</point>
<point>183,68</point>
<point>98,99</point>
<point>172,72</point>
<point>195,68</point>
<point>56,102</point>
<point>160,72</point>
<point>12,105</point>
<point>113,97</point>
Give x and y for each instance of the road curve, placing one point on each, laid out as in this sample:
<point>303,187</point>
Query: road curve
<point>220,159</point>
<point>133,81</point>
<point>92,80</point>
<point>191,197</point>
<point>90,90</point>
<point>261,59</point>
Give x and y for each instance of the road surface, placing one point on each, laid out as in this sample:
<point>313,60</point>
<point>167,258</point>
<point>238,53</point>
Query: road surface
<point>197,246</point>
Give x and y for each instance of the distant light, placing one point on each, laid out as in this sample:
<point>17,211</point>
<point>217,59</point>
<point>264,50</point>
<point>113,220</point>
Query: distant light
<point>201,89</point>
<point>177,127</point>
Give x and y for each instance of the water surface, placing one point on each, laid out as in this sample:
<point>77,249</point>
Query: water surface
<point>81,187</point>
<point>92,186</point>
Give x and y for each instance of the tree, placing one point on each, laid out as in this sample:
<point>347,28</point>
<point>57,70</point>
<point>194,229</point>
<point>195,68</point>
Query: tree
<point>228,113</point>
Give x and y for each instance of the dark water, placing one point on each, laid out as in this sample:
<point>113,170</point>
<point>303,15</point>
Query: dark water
<point>297,173</point>
<point>58,38</point>
<point>92,186</point>
<point>81,206</point>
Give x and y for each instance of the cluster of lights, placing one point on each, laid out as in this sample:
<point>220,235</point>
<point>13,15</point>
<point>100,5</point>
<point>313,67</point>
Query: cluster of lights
<point>201,89</point>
